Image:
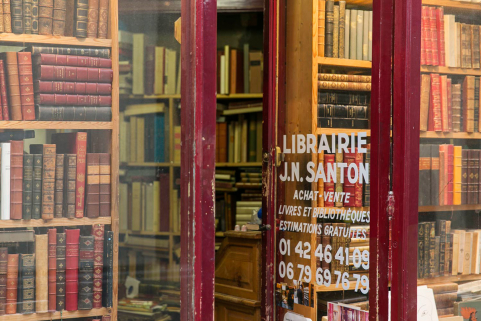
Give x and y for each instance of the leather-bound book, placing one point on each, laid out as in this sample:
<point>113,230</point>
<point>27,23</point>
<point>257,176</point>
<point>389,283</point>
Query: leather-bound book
<point>72,100</point>
<point>90,52</point>
<point>435,168</point>
<point>2,29</point>
<point>442,246</point>
<point>41,273</point>
<point>69,18</point>
<point>26,85</point>
<point>45,17</point>
<point>108,269</point>
<point>420,250</point>
<point>12,284</point>
<point>329,186</point>
<point>450,174</point>
<point>3,92</point>
<point>105,195</point>
<point>72,265</point>
<point>338,185</point>
<point>443,173</point>
<point>26,284</point>
<point>73,113</point>
<point>456,101</point>
<point>444,103</point>
<point>464,176</point>
<point>322,29</point>
<point>69,185</point>
<point>98,232</point>
<point>52,269</point>
<point>92,191</point>
<point>61,268</point>
<point>16,179</point>
<point>473,168</point>
<point>348,187</point>
<point>468,104</point>
<point>46,72</point>
<point>440,35</point>
<point>59,187</point>
<point>93,18</point>
<point>435,121</point>
<point>13,86</point>
<point>7,16</point>
<point>59,16</point>
<point>432,247</point>
<point>81,18</point>
<point>81,88</point>
<point>48,181</point>
<point>17,16</point>
<point>335,35</point>
<point>27,186</point>
<point>328,52</point>
<point>367,186</point>
<point>338,85</point>
<point>37,186</point>
<point>434,36</point>
<point>3,278</point>
<point>73,61</point>
<point>27,16</point>
<point>476,105</point>
<point>425,90</point>
<point>342,32</point>
<point>449,89</point>
<point>75,143</point>
<point>35,17</point>
<point>103,19</point>
<point>86,272</point>
<point>457,175</point>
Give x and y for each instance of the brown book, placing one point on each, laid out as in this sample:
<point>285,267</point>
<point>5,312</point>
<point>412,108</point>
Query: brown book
<point>342,28</point>
<point>105,195</point>
<point>338,185</point>
<point>2,29</point>
<point>45,17</point>
<point>344,78</point>
<point>13,86</point>
<point>335,85</point>
<point>98,232</point>
<point>255,71</point>
<point>59,187</point>
<point>59,16</point>
<point>52,269</point>
<point>26,85</point>
<point>320,182</point>
<point>445,312</point>
<point>445,300</point>
<point>456,109</point>
<point>3,278</point>
<point>69,185</point>
<point>69,18</point>
<point>425,95</point>
<point>335,38</point>
<point>61,268</point>
<point>103,19</point>
<point>236,85</point>
<point>92,192</point>
<point>12,284</point>
<point>41,273</point>
<point>7,16</point>
<point>444,103</point>
<point>48,181</point>
<point>322,28</point>
<point>93,18</point>
<point>16,179</point>
<point>468,104</point>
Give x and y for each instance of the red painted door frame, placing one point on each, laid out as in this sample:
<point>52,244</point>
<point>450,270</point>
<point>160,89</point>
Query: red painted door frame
<point>198,117</point>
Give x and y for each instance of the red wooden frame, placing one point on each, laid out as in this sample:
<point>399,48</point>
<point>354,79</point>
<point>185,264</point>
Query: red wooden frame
<point>198,117</point>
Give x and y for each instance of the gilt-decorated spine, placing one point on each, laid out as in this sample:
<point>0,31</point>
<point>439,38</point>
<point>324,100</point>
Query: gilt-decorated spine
<point>59,16</point>
<point>81,18</point>
<point>59,185</point>
<point>52,269</point>
<point>48,181</point>
<point>45,17</point>
<point>61,268</point>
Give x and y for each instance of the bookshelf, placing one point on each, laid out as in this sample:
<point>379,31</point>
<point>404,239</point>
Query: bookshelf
<point>20,124</point>
<point>449,208</point>
<point>58,315</point>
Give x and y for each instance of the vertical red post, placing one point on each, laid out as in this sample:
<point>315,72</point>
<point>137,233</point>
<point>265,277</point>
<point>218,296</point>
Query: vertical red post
<point>198,63</point>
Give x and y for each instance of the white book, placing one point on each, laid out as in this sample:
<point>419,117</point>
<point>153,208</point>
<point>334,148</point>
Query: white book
<point>360,23</point>
<point>452,41</point>
<point>365,36</point>
<point>461,234</point>
<point>5,182</point>
<point>138,63</point>
<point>370,36</point>
<point>347,28</point>
<point>227,68</point>
<point>353,35</point>
<point>222,75</point>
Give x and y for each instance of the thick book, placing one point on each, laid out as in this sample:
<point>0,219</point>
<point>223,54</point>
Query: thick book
<point>3,91</point>
<point>45,17</point>
<point>347,29</point>
<point>476,105</point>
<point>17,16</point>
<point>343,78</point>
<point>103,19</point>
<point>108,273</point>
<point>16,179</point>
<point>92,190</point>
<point>335,33</point>
<point>93,18</point>
<point>75,143</point>
<point>468,104</point>
<point>9,135</point>
<point>450,174</point>
<point>342,111</point>
<point>443,82</point>
<point>342,25</point>
<point>440,36</point>
<point>353,35</point>
<point>424,175</point>
<point>89,74</point>
<point>72,100</point>
<point>26,284</point>
<point>72,61</point>
<point>435,121</point>
<point>72,269</point>
<point>5,182</point>
<point>52,269</point>
<point>69,185</point>
<point>73,113</point>
<point>343,85</point>
<point>59,186</point>
<point>69,18</point>
<point>59,17</point>
<point>27,16</point>
<point>48,181</point>
<point>328,52</point>
<point>3,278</point>
<point>12,284</point>
<point>75,51</point>
<point>450,104</point>
<point>105,194</point>
<point>86,272</point>
<point>7,16</point>
<point>61,268</point>
<point>35,17</point>
<point>80,88</point>
<point>456,102</point>
<point>356,99</point>
<point>37,186</point>
<point>443,173</point>
<point>435,168</point>
<point>464,176</point>
<point>359,40</point>
<point>13,86</point>
<point>26,85</point>
<point>434,36</point>
<point>41,273</point>
<point>81,18</point>
<point>98,232</point>
<point>331,122</point>
<point>27,199</point>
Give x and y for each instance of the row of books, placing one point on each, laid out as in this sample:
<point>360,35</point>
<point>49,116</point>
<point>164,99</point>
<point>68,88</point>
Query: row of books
<point>245,210</point>
<point>344,33</point>
<point>79,18</point>
<point>67,271</point>
<point>239,71</point>
<point>340,311</point>
<point>449,175</point>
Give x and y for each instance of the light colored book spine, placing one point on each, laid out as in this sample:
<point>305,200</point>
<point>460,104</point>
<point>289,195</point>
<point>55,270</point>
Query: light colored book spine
<point>370,36</point>
<point>159,70</point>
<point>156,206</point>
<point>335,38</point>
<point>222,75</point>
<point>342,29</point>
<point>360,23</point>
<point>149,207</point>
<point>246,68</point>
<point>347,28</point>
<point>353,35</point>
<point>170,70</point>
<point>365,36</point>
<point>244,131</point>
<point>226,69</point>
<point>124,138</point>
<point>446,40</point>
<point>138,64</point>
<point>5,182</point>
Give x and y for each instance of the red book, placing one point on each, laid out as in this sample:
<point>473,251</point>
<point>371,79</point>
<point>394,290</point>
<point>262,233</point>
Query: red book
<point>329,185</point>
<point>444,102</point>
<point>75,143</point>
<point>3,278</point>
<point>440,35</point>
<point>443,175</point>
<point>3,91</point>
<point>52,269</point>
<point>427,35</point>
<point>450,105</point>
<point>81,88</point>
<point>164,200</point>
<point>434,123</point>
<point>88,74</point>
<point>358,186</point>
<point>105,195</point>
<point>98,232</point>
<point>74,61</point>
<point>12,284</point>
<point>423,37</point>
<point>349,188</point>
<point>72,259</point>
<point>16,179</point>
<point>26,85</point>
<point>434,36</point>
<point>72,100</point>
<point>450,177</point>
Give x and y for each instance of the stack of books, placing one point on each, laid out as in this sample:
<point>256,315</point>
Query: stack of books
<point>445,294</point>
<point>344,33</point>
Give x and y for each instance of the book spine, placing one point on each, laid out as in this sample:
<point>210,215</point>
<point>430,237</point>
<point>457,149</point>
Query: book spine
<point>329,187</point>
<point>420,250</point>
<point>435,106</point>
<point>93,18</point>
<point>424,174</point>
<point>423,38</point>
<point>344,78</point>
<point>342,30</point>
<point>17,16</point>
<point>61,113</point>
<point>81,151</point>
<point>440,35</point>
<point>476,105</point>
<point>457,175</point>
<point>81,18</point>
<point>444,103</point>
<point>81,88</point>
<point>456,101</point>
<point>450,104</point>
<point>70,181</point>
<point>27,186</point>
<point>48,181</point>
<point>7,16</point>
<point>27,16</point>
<point>69,18</point>
<point>41,273</point>
<point>2,29</point>
<point>442,188</point>
<point>359,40</point>
<point>45,17</point>
<point>72,268</point>
<point>339,188</point>
<point>72,100</point>
<point>13,86</point>
<point>105,194</point>
<point>329,28</point>
<point>35,17</point>
<point>90,52</point>
<point>432,247</point>
<point>320,182</point>
<point>435,168</point>
<point>92,191</point>
<point>450,174</point>
<point>464,176</point>
<point>52,269</point>
<point>468,104</point>
<point>98,232</point>
<point>26,284</point>
<point>37,186</point>
<point>321,35</point>
<point>16,179</point>
<point>3,92</point>
<point>434,36</point>
<point>59,16</point>
<point>59,186</point>
<point>73,61</point>
<point>103,19</point>
<point>60,279</point>
<point>425,96</point>
<point>335,35</point>
<point>108,270</point>
<point>46,72</point>
<point>335,85</point>
<point>86,272</point>
<point>367,186</point>
<point>12,284</point>
<point>26,85</point>
<point>5,182</point>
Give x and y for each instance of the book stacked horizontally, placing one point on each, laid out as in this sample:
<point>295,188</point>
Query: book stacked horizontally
<point>72,84</point>
<point>445,294</point>
<point>71,18</point>
<point>344,33</point>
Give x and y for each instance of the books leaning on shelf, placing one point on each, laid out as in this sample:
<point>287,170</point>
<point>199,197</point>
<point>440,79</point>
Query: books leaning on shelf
<point>344,33</point>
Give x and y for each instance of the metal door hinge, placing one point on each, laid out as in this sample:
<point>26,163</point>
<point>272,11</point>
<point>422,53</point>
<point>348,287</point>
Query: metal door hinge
<point>279,156</point>
<point>390,205</point>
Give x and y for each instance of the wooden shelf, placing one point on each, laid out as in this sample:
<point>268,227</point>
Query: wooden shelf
<point>144,248</point>
<point>173,6</point>
<point>451,71</point>
<point>241,111</point>
<point>147,164</point>
<point>449,208</point>
<point>248,164</point>
<point>177,96</point>
<point>331,131</point>
<point>240,96</point>
<point>441,135</point>
<point>346,63</point>
<point>150,233</point>
<point>54,40</point>
<point>451,278</point>
<point>57,315</point>
<point>453,4</point>
<point>55,222</point>
<point>22,124</point>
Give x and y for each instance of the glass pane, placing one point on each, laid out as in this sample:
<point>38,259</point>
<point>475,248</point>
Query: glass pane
<point>323,207</point>
<point>449,233</point>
